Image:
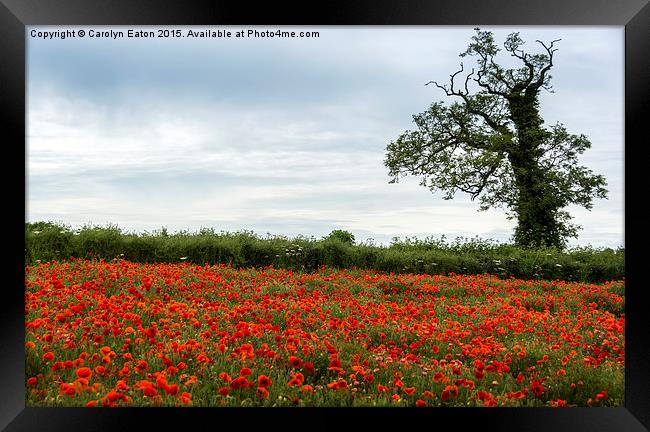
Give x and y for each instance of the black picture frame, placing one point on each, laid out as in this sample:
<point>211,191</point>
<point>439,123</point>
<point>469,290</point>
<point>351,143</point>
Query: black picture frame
<point>15,15</point>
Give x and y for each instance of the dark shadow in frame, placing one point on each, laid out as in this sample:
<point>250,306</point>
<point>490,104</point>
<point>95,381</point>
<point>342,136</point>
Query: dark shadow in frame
<point>16,14</point>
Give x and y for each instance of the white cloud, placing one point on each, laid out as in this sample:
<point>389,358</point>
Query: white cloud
<point>287,162</point>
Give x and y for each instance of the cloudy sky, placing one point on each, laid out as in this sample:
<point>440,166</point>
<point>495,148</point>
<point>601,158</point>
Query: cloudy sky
<point>285,136</point>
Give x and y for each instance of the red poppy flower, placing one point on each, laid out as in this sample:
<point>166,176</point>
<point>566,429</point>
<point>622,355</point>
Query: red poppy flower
<point>262,393</point>
<point>409,390</point>
<point>239,382</point>
<point>536,386</point>
<point>449,392</point>
<point>295,361</point>
<point>420,403</point>
<point>335,365</point>
<point>84,372</point>
<point>337,385</point>
<point>161,382</point>
<point>141,366</point>
<point>112,396</point>
<point>148,388</point>
<point>67,389</point>
<point>264,381</point>
<point>48,356</point>
<point>297,380</point>
<point>121,385</point>
<point>193,379</point>
<point>520,378</point>
<point>308,367</point>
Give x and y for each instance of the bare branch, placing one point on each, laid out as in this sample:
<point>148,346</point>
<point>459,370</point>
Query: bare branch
<point>450,91</point>
<point>486,86</point>
<point>521,55</point>
<point>467,80</point>
<point>542,75</point>
<point>452,76</point>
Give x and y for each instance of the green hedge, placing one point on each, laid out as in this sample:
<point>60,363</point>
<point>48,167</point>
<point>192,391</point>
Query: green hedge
<point>46,241</point>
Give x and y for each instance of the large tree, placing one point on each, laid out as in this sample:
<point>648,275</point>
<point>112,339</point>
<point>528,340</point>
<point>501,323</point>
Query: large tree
<point>490,142</point>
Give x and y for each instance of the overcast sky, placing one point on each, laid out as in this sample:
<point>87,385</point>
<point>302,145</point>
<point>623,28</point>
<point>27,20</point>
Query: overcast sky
<point>286,136</point>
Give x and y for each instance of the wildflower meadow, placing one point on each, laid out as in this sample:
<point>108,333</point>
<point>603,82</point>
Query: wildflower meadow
<point>119,333</point>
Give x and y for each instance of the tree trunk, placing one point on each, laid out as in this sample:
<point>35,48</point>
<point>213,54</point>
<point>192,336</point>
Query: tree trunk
<point>536,225</point>
<point>536,211</point>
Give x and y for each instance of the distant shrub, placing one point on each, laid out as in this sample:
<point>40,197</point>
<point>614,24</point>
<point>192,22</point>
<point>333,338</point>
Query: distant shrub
<point>342,236</point>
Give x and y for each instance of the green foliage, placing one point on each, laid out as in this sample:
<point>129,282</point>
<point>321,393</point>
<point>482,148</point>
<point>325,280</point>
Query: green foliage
<point>342,236</point>
<point>49,241</point>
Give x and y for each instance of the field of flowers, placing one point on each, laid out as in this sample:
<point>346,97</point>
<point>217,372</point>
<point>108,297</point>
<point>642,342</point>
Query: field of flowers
<point>120,333</point>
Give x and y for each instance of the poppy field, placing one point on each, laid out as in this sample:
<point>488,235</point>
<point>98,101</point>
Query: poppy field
<point>118,333</point>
